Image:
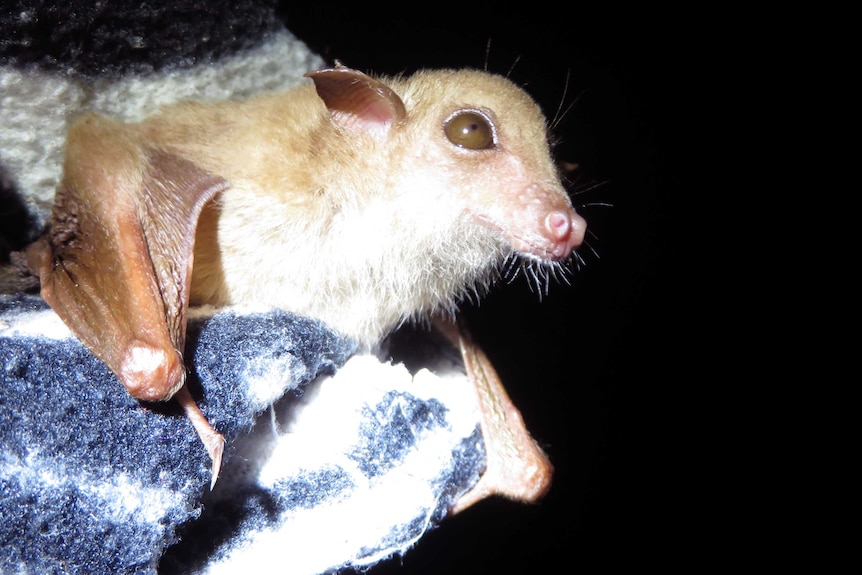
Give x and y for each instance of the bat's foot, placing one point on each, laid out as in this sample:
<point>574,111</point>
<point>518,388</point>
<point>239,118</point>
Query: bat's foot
<point>213,440</point>
<point>516,466</point>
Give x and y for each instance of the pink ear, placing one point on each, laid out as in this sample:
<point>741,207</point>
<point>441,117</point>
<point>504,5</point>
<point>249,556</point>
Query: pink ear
<point>358,102</point>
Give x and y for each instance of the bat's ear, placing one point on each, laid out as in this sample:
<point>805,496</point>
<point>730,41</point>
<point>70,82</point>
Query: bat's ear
<point>358,102</point>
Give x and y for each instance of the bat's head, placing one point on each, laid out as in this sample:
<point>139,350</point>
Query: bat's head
<point>462,176</point>
<point>485,150</point>
<point>492,139</point>
<point>467,141</point>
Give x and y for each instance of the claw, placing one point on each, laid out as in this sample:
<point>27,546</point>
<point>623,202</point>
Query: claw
<point>213,440</point>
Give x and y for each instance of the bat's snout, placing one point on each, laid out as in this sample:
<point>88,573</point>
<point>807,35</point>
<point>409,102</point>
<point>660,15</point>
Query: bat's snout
<point>565,231</point>
<point>540,224</point>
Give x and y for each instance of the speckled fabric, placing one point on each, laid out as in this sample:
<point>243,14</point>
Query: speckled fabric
<point>332,459</point>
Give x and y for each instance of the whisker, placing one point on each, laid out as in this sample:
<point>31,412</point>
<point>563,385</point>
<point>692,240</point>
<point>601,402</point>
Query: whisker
<point>555,122</point>
<point>538,283</point>
<point>551,276</point>
<point>511,264</point>
<point>589,187</point>
<point>562,113</point>
<point>539,273</point>
<point>528,276</point>
<point>592,250</point>
<point>568,109</point>
<point>593,204</point>
<point>562,272</point>
<point>512,67</point>
<point>546,279</point>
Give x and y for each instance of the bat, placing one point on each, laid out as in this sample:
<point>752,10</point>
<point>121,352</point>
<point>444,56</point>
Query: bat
<point>363,201</point>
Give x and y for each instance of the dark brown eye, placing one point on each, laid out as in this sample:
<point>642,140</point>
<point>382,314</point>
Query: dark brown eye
<point>470,130</point>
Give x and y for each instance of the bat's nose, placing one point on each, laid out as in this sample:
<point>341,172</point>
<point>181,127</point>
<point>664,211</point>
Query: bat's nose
<point>566,229</point>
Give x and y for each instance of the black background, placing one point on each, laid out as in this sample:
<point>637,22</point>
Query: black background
<point>598,368</point>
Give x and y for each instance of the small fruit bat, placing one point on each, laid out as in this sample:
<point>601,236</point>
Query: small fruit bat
<point>362,201</point>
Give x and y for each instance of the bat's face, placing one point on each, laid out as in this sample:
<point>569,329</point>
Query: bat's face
<point>480,146</point>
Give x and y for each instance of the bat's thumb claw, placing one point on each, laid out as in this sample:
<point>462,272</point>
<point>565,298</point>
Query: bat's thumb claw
<point>213,440</point>
<point>215,447</point>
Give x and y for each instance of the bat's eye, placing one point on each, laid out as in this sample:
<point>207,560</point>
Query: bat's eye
<point>470,130</point>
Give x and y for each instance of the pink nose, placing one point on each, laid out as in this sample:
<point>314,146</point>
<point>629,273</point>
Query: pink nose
<point>566,229</point>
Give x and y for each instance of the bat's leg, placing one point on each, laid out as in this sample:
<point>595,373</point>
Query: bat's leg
<point>212,439</point>
<point>517,468</point>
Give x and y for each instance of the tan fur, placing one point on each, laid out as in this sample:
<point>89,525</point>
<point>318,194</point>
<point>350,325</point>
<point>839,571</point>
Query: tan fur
<point>361,231</point>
